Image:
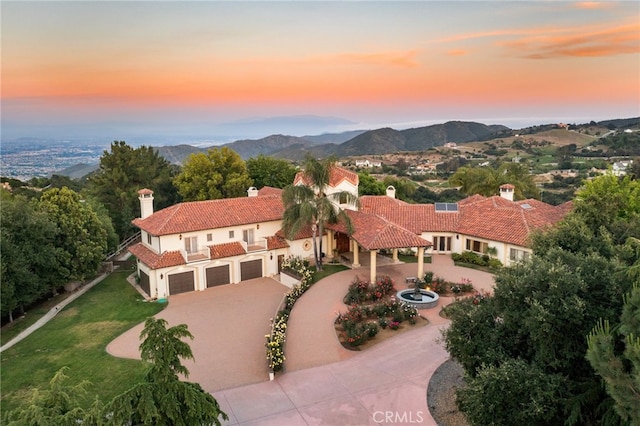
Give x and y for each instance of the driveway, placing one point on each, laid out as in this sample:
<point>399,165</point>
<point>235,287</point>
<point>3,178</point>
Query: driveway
<point>228,323</point>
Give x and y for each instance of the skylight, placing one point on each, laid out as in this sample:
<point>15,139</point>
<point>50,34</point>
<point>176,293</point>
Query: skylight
<point>446,207</point>
<point>525,206</point>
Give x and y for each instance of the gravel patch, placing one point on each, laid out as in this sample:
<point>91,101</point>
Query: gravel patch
<point>441,394</point>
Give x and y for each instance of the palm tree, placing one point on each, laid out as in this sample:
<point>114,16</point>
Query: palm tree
<point>310,205</point>
<point>487,180</point>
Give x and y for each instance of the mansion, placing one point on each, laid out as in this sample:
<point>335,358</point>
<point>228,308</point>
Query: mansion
<point>195,245</point>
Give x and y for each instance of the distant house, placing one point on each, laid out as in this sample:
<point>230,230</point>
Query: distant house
<point>619,168</point>
<point>196,245</point>
<point>368,163</point>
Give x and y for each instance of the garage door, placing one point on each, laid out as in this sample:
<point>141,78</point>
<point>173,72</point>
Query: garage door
<point>251,269</point>
<point>217,276</point>
<point>180,283</point>
<point>144,283</point>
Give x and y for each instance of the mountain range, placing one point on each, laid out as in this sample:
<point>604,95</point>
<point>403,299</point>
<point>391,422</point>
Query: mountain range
<point>352,143</point>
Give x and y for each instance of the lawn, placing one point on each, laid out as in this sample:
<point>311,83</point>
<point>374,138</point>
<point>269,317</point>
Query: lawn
<point>77,338</point>
<point>327,269</point>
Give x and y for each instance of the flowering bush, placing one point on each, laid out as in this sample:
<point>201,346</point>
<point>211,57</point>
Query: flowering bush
<point>361,291</point>
<point>276,340</point>
<point>394,325</point>
<point>298,266</point>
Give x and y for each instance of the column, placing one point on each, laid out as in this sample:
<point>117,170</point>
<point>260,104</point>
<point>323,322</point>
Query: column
<point>356,254</point>
<point>330,244</point>
<point>372,267</point>
<point>395,256</point>
<point>420,263</point>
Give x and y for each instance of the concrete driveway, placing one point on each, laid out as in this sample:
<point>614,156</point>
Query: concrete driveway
<point>228,323</point>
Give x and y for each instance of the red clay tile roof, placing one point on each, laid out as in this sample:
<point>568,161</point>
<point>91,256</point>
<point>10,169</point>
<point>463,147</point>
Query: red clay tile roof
<point>269,190</point>
<point>498,219</point>
<point>494,218</point>
<point>417,218</point>
<point>219,251</point>
<point>154,260</point>
<point>212,214</point>
<point>373,232</point>
<point>276,242</point>
<point>304,232</point>
<point>338,174</point>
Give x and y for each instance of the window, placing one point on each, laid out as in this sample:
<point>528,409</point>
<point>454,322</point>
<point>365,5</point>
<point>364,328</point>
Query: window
<point>247,236</point>
<point>191,244</point>
<point>209,237</point>
<point>231,235</point>
<point>149,239</point>
<point>442,243</point>
<point>516,255</point>
<point>476,246</point>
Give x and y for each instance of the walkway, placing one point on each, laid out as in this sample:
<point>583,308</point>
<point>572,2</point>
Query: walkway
<point>326,384</point>
<point>52,313</point>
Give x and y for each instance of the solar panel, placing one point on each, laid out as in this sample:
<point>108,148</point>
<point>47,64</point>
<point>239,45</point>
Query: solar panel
<point>446,207</point>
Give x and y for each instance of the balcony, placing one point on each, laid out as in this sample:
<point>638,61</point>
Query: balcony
<point>257,245</point>
<point>196,256</point>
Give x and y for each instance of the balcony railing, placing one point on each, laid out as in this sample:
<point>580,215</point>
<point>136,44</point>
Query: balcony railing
<point>257,245</point>
<point>196,256</point>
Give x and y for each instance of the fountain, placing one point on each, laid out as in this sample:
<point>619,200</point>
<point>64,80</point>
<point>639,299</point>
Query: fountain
<point>418,298</point>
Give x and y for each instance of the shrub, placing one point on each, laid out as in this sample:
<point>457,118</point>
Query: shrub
<point>394,325</point>
<point>428,277</point>
<point>372,329</point>
<point>383,322</point>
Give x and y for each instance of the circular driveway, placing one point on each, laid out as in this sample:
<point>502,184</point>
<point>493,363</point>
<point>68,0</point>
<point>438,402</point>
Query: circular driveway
<point>228,323</point>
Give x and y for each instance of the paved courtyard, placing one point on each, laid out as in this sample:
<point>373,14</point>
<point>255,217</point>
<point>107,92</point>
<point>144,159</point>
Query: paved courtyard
<point>323,383</point>
<point>228,323</point>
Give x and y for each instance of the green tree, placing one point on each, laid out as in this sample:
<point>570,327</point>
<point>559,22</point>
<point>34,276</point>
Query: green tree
<point>220,173</point>
<point>163,399</point>
<point>530,391</point>
<point>270,171</point>
<point>487,180</point>
<point>80,237</point>
<point>123,172</point>
<point>369,185</point>
<point>404,187</point>
<point>60,404</point>
<point>615,355</point>
<point>27,254</point>
<point>542,310</point>
<point>612,203</point>
<point>310,205</point>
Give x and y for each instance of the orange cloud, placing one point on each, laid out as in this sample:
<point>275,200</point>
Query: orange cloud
<point>593,5</point>
<point>457,52</point>
<point>580,42</point>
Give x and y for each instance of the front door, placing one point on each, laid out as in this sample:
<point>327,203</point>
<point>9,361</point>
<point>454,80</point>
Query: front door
<point>280,260</point>
<point>342,243</point>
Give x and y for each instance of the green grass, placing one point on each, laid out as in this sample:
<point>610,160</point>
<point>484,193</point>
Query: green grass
<point>328,269</point>
<point>77,338</point>
<point>11,330</point>
<point>477,267</point>
<point>410,258</point>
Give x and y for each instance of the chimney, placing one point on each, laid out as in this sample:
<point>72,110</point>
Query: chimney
<point>391,191</point>
<point>252,192</point>
<point>146,202</point>
<point>506,191</point>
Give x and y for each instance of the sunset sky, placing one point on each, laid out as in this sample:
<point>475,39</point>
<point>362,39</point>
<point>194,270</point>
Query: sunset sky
<point>116,69</point>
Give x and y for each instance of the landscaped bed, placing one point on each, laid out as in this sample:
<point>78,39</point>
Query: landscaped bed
<point>374,314</point>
